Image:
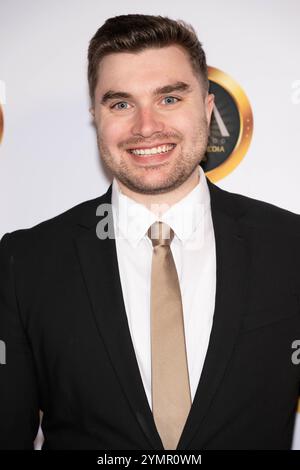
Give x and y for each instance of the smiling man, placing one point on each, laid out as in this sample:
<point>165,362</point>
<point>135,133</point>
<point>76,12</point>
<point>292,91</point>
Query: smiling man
<point>153,132</point>
<point>162,314</point>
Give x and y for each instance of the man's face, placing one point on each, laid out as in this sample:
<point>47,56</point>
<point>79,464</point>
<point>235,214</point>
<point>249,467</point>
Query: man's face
<point>130,113</point>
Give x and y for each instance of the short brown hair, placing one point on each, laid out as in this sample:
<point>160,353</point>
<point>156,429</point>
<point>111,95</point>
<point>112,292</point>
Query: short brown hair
<point>134,33</point>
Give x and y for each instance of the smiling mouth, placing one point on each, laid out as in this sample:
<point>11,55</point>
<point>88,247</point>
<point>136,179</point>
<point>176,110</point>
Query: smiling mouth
<point>146,152</point>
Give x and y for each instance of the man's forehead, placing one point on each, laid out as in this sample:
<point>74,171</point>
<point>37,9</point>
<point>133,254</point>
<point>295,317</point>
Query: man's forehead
<point>155,50</point>
<point>126,77</point>
<point>163,58</point>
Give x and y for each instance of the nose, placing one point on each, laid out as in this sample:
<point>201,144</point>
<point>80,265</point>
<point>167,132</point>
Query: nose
<point>147,122</point>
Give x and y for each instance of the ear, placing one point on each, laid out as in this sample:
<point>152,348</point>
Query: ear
<point>92,111</point>
<point>209,106</point>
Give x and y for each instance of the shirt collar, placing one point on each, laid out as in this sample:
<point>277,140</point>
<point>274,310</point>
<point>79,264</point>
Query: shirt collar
<point>133,219</point>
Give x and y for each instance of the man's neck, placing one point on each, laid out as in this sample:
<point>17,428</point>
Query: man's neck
<point>159,203</point>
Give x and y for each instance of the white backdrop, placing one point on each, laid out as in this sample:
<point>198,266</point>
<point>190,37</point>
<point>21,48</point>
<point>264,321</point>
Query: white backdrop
<point>48,156</point>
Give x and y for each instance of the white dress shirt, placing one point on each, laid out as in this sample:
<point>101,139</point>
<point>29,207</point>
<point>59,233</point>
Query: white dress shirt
<point>193,249</point>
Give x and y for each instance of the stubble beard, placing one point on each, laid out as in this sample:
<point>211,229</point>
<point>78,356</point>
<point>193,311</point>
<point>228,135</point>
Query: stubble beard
<point>184,167</point>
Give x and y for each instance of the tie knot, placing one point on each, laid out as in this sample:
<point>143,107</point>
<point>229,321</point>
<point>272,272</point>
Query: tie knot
<point>160,234</point>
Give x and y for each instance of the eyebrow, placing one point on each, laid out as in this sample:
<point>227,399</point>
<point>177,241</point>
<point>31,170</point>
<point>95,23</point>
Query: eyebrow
<point>177,86</point>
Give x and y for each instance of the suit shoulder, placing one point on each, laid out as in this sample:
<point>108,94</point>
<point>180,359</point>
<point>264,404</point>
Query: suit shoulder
<point>255,212</point>
<point>264,214</point>
<point>55,227</point>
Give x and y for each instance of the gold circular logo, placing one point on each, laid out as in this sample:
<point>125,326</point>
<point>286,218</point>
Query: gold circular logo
<point>1,124</point>
<point>231,126</point>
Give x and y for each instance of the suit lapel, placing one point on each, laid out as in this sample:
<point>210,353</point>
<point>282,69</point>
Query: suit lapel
<point>229,304</point>
<point>98,260</point>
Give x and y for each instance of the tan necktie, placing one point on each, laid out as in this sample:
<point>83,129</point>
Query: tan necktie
<point>171,396</point>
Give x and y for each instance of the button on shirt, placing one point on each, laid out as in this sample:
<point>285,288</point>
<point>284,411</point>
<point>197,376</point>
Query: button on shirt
<point>193,249</point>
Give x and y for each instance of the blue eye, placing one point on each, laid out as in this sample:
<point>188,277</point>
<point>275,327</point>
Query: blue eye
<point>123,105</point>
<point>172,98</point>
<point>121,102</point>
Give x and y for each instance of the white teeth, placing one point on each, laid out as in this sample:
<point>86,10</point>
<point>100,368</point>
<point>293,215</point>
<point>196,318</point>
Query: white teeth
<point>153,151</point>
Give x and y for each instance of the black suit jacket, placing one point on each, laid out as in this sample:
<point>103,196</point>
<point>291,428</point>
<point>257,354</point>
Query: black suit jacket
<point>69,351</point>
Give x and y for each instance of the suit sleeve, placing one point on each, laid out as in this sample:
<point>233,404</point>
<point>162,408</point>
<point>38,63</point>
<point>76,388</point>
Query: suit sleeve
<point>19,410</point>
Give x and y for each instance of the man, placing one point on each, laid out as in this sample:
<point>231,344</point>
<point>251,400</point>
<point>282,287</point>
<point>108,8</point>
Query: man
<point>162,314</point>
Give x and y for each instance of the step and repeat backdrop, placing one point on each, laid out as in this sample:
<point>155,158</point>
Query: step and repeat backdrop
<point>48,153</point>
